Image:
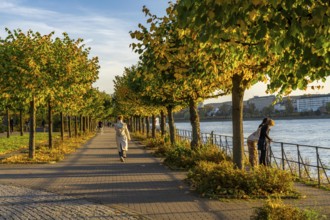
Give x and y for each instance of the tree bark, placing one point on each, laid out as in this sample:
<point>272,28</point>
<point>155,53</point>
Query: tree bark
<point>62,126</point>
<point>76,126</point>
<point>21,125</point>
<point>148,126</point>
<point>8,122</point>
<point>69,125</point>
<point>50,126</point>
<point>195,124</point>
<point>32,139</point>
<point>139,124</point>
<point>81,124</point>
<point>153,126</point>
<point>237,112</point>
<point>171,124</point>
<point>143,124</point>
<point>162,122</point>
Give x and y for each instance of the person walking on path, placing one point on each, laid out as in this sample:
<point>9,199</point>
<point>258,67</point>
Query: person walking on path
<point>252,141</point>
<point>264,142</point>
<point>122,137</point>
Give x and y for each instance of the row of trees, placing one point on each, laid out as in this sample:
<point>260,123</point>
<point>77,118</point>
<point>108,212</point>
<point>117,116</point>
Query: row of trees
<point>203,49</point>
<point>55,73</point>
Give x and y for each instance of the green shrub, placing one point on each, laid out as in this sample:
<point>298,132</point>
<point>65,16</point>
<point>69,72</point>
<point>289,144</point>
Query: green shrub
<point>210,153</point>
<point>179,156</point>
<point>276,210</point>
<point>182,156</point>
<point>139,136</point>
<point>224,180</point>
<point>153,143</point>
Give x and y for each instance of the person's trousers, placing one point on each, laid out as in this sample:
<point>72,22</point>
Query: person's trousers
<point>264,157</point>
<point>122,153</point>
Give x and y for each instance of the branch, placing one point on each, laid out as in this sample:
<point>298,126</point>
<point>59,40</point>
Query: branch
<point>239,42</point>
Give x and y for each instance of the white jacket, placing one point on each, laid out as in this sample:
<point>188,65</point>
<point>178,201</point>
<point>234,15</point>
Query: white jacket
<point>122,135</point>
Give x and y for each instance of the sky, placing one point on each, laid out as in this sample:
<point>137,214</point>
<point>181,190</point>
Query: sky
<point>104,25</point>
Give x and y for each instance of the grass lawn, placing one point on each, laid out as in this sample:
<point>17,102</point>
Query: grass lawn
<point>43,154</point>
<point>17,142</point>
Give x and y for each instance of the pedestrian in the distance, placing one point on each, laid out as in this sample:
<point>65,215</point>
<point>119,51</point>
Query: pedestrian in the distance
<point>122,137</point>
<point>264,142</point>
<point>252,141</point>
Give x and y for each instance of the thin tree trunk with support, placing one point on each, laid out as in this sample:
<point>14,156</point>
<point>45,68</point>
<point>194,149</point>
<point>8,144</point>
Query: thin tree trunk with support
<point>143,124</point>
<point>171,124</point>
<point>8,122</point>
<point>148,126</point>
<point>69,125</point>
<point>32,139</point>
<point>21,123</point>
<point>50,125</point>
<point>237,111</point>
<point>76,126</point>
<point>162,122</point>
<point>153,126</point>
<point>81,124</point>
<point>195,124</point>
<point>62,126</point>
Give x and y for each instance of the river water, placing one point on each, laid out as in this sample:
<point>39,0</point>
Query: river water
<point>292,135</point>
<point>315,132</point>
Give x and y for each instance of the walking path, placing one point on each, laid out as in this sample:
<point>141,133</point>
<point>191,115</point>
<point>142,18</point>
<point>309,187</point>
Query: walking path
<point>93,184</point>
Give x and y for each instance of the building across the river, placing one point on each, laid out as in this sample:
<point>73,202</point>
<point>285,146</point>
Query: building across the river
<point>302,103</point>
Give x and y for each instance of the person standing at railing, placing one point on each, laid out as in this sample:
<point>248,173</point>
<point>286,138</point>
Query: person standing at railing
<point>252,141</point>
<point>264,142</point>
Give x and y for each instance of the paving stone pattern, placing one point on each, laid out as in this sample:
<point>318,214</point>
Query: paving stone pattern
<point>94,180</point>
<point>22,203</point>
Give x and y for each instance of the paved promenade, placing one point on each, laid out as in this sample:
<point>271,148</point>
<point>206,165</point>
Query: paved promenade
<point>93,184</point>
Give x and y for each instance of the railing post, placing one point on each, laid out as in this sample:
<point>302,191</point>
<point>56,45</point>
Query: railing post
<point>299,170</point>
<point>212,138</point>
<point>226,145</point>
<point>282,152</point>
<point>269,156</point>
<point>318,166</point>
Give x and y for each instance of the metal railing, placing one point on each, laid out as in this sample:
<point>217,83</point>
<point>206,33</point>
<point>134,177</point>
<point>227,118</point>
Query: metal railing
<point>304,161</point>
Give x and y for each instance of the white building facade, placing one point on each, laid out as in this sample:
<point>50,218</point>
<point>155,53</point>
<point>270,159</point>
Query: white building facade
<point>312,103</point>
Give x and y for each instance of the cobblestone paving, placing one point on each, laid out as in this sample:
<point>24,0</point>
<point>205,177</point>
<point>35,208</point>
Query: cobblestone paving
<point>19,203</point>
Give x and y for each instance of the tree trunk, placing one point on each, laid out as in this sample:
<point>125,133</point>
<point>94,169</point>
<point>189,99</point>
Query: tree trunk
<point>81,124</point>
<point>162,122</point>
<point>50,126</point>
<point>171,124</point>
<point>21,125</point>
<point>148,126</point>
<point>8,122</point>
<point>88,124</point>
<point>153,126</point>
<point>195,124</point>
<point>32,139</point>
<point>237,112</point>
<point>140,124</point>
<point>76,126</point>
<point>136,127</point>
<point>84,123</point>
<point>69,125</point>
<point>62,126</point>
<point>143,124</point>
